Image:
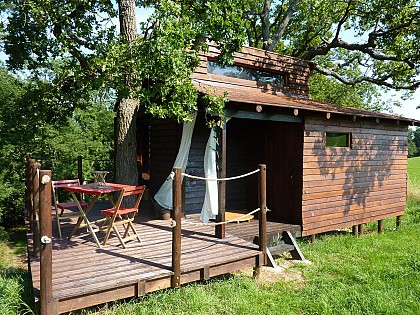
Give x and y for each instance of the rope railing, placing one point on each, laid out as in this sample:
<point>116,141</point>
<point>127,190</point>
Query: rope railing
<point>172,175</point>
<point>173,224</point>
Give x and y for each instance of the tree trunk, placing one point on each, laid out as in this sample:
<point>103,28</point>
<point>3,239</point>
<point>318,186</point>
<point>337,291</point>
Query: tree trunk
<point>125,129</point>
<point>125,142</point>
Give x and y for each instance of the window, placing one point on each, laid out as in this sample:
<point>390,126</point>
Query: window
<point>245,73</point>
<point>338,139</point>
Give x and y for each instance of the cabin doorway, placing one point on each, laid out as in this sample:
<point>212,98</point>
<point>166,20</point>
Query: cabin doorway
<point>277,144</point>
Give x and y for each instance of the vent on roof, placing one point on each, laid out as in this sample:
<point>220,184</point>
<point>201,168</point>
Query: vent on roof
<point>245,73</point>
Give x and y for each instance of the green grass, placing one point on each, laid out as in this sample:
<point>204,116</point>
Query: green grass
<point>15,292</point>
<point>373,274</point>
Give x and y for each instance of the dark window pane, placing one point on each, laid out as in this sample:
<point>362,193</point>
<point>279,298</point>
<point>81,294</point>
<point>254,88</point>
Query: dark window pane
<point>240,72</point>
<point>338,139</point>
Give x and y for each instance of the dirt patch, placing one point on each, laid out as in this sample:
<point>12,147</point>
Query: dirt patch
<point>285,271</point>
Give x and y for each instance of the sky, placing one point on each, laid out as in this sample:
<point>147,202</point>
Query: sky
<point>408,108</point>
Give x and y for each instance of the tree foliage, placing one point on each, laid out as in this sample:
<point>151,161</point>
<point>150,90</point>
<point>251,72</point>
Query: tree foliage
<point>55,136</point>
<point>384,50</point>
<point>83,36</point>
<point>359,47</point>
<point>414,142</point>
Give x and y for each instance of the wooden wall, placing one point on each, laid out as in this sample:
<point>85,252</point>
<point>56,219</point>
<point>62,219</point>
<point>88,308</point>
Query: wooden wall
<point>164,136</point>
<point>298,71</point>
<point>348,186</point>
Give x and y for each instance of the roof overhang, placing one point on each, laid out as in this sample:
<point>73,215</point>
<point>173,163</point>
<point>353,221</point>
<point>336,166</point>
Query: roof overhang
<point>273,98</point>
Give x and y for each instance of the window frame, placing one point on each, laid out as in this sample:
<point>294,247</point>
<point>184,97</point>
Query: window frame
<point>284,75</point>
<point>348,139</point>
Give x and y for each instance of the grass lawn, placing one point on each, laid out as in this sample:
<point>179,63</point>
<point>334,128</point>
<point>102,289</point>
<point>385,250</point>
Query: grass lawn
<point>372,274</point>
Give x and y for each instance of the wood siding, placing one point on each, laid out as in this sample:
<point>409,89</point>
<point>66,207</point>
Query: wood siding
<point>343,187</point>
<point>297,71</point>
<point>164,137</point>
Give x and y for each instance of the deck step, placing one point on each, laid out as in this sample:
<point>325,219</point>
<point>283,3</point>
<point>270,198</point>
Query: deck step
<point>280,249</point>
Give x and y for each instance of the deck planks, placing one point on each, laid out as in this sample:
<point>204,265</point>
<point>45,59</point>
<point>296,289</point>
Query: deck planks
<point>85,275</point>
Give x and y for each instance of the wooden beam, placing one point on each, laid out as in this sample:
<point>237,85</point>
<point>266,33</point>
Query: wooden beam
<point>47,304</point>
<point>220,229</point>
<point>313,238</point>
<point>29,191</point>
<point>398,221</point>
<point>361,228</point>
<point>176,230</point>
<point>263,212</point>
<point>80,169</point>
<point>35,209</point>
<point>261,116</point>
<point>380,226</point>
<point>355,230</point>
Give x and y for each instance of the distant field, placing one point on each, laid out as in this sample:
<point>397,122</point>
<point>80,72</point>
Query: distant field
<point>414,169</point>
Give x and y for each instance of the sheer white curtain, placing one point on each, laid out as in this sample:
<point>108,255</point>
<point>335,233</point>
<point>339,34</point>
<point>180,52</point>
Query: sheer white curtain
<point>211,199</point>
<point>164,195</point>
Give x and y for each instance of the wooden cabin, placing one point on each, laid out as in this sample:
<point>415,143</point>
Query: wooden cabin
<point>328,166</point>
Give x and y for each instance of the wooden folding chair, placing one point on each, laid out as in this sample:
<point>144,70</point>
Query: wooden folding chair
<point>121,215</point>
<point>63,209</point>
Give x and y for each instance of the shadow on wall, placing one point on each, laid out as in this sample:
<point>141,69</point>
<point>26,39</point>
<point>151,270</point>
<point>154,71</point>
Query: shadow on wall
<point>372,164</point>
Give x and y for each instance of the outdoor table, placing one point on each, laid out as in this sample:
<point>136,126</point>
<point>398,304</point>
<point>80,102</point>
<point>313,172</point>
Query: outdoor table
<point>96,191</point>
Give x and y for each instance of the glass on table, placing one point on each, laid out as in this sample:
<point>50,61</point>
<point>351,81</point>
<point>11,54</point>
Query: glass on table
<point>99,177</point>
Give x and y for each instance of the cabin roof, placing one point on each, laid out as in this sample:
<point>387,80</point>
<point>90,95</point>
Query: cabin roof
<point>273,98</point>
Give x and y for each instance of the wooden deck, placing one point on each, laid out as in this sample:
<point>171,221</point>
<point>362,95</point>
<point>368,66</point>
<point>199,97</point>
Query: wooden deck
<point>85,275</point>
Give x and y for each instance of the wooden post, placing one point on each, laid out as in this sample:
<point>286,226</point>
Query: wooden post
<point>313,238</point>
<point>398,221</point>
<point>262,231</point>
<point>29,191</point>
<point>46,298</point>
<point>176,230</point>
<point>220,229</point>
<point>361,228</point>
<point>355,230</point>
<point>380,226</point>
<point>35,209</point>
<point>80,169</point>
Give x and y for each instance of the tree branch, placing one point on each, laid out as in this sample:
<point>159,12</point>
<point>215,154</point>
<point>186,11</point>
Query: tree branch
<point>378,81</point>
<point>381,33</point>
<point>365,48</point>
<point>282,26</point>
<point>343,19</point>
<point>80,41</point>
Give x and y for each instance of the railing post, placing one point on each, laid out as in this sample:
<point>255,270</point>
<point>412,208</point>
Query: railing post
<point>220,229</point>
<point>29,191</point>
<point>80,169</point>
<point>35,209</point>
<point>263,211</point>
<point>46,299</point>
<point>176,230</point>
<point>361,228</point>
<point>262,233</point>
<point>355,230</point>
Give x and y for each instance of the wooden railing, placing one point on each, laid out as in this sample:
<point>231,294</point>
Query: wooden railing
<point>219,232</point>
